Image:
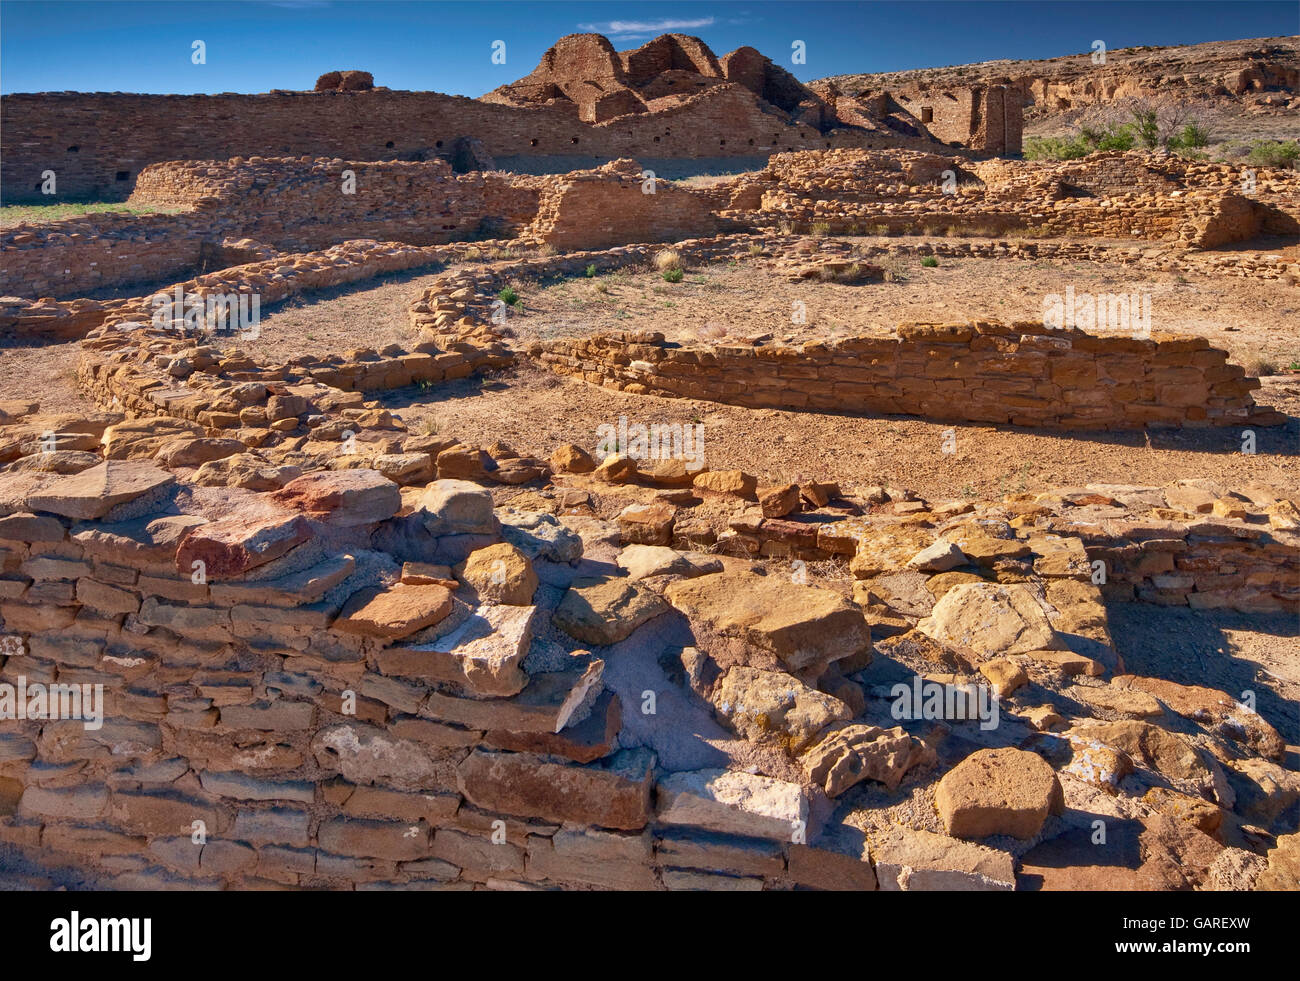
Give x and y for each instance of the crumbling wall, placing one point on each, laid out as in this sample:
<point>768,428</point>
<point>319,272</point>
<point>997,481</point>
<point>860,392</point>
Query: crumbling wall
<point>312,712</point>
<point>988,118</point>
<point>613,205</point>
<point>285,203</point>
<point>1022,374</point>
<point>97,143</point>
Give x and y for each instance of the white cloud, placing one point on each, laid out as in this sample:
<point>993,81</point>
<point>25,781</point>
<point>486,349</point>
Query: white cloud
<point>647,28</point>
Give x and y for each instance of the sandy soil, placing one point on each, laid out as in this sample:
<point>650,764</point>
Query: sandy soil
<point>1250,321</point>
<point>534,411</point>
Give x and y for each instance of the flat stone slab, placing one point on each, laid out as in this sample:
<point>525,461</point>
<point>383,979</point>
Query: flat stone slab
<point>551,701</point>
<point>644,561</point>
<point>94,492</point>
<point>483,653</point>
<point>395,612</point>
<point>614,794</point>
<point>991,619</point>
<point>602,612</point>
<point>149,538</point>
<point>803,626</point>
<point>458,507</point>
<point>908,860</point>
<point>998,792</point>
<point>732,802</point>
<point>344,498</point>
<point>231,546</point>
<point>775,705</point>
<point>295,589</point>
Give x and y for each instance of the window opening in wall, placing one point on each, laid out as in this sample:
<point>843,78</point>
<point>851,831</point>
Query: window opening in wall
<point>389,144</point>
<point>74,149</point>
<point>927,114</point>
<point>532,143</point>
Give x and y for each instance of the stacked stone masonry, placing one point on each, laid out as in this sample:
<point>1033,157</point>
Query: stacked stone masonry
<point>1020,374</point>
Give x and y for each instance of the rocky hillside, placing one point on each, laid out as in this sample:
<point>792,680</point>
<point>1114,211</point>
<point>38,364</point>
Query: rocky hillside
<point>1248,88</point>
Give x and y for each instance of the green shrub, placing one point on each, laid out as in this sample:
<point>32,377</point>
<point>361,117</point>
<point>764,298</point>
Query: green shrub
<point>1190,137</point>
<point>1089,139</point>
<point>673,275</point>
<point>929,262</point>
<point>591,271</point>
<point>1146,127</point>
<point>509,296</point>
<point>1274,153</point>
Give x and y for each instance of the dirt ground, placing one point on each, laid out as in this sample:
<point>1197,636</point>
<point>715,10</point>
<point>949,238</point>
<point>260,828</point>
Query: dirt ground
<point>1253,323</point>
<point>535,411</point>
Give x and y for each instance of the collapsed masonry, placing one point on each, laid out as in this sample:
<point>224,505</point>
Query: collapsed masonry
<point>671,98</point>
<point>292,216</point>
<point>337,653</point>
<point>331,678</point>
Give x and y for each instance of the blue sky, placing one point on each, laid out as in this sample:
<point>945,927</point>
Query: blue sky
<point>258,45</point>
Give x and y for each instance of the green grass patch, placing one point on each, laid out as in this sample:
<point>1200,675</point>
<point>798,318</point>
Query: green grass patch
<point>13,214</point>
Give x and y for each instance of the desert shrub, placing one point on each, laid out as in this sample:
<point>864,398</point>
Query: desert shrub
<point>929,261</point>
<point>756,249</point>
<point>820,228</point>
<point>673,275</point>
<point>668,260</point>
<point>509,296</point>
<point>1089,139</point>
<point>473,255</point>
<point>1190,137</point>
<point>1146,127</point>
<point>1274,153</point>
<point>1259,367</point>
<point>590,271</point>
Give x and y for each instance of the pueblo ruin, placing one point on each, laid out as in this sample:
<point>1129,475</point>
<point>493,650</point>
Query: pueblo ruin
<point>436,492</point>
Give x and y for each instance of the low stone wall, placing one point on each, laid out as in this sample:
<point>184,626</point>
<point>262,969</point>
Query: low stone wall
<point>272,279</point>
<point>613,205</point>
<point>1134,195</point>
<point>300,204</point>
<point>1022,374</point>
<point>290,205</point>
<point>78,255</point>
<point>278,720</point>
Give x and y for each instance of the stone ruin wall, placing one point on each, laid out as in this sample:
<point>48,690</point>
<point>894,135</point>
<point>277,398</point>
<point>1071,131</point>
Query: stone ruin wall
<point>225,705</point>
<point>1022,374</point>
<point>609,206</point>
<point>117,135</point>
<point>239,209</point>
<point>226,696</point>
<point>298,204</point>
<point>264,205</point>
<point>987,118</point>
<point>289,705</point>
